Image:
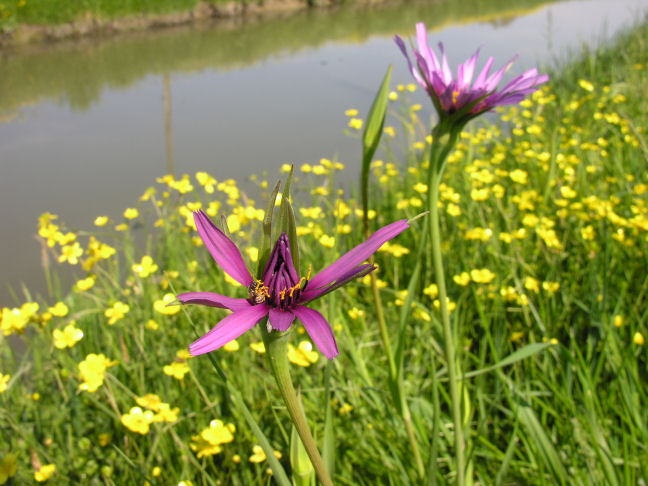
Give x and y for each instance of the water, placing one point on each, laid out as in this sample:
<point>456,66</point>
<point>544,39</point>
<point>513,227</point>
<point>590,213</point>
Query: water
<point>82,123</point>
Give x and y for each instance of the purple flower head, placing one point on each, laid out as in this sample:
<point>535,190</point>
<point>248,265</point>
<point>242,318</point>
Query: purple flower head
<point>459,97</point>
<point>281,293</point>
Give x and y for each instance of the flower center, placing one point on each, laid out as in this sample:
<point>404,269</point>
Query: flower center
<point>280,286</point>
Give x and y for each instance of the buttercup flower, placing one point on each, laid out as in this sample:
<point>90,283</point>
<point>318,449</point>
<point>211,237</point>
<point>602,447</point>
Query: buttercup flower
<point>458,96</point>
<point>280,293</point>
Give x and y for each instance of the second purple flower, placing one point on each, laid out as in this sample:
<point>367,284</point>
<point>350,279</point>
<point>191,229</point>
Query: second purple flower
<point>464,96</point>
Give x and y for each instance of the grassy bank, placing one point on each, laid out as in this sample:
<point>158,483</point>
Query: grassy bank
<point>25,20</point>
<point>545,224</point>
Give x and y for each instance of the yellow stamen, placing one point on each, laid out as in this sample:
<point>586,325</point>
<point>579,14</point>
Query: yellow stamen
<point>455,95</point>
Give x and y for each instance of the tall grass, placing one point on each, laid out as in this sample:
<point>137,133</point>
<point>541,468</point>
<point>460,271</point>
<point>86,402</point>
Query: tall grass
<point>551,200</point>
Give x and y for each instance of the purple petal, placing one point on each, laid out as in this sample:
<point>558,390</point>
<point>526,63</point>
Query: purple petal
<point>466,72</point>
<point>213,299</point>
<point>318,329</point>
<point>281,320</point>
<point>428,54</point>
<point>229,329</point>
<point>224,251</point>
<point>357,255</point>
<point>355,272</point>
<point>414,71</point>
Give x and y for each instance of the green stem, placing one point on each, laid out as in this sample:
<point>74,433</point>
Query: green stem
<point>276,345</point>
<point>444,143</point>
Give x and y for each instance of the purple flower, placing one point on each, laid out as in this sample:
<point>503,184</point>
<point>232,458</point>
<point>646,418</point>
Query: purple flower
<point>450,96</point>
<point>281,292</point>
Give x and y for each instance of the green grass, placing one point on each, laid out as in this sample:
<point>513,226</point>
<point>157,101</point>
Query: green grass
<point>572,413</point>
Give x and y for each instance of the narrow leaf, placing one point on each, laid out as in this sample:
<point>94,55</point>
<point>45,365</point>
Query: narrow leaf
<point>371,138</point>
<point>539,438</point>
<point>519,355</point>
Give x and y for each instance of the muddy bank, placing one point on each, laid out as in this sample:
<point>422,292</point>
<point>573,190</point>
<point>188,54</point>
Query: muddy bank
<point>227,13</point>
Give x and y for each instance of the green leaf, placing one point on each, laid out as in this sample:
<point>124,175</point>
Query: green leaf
<point>371,137</point>
<point>328,448</point>
<point>303,473</point>
<point>519,355</point>
<point>542,442</point>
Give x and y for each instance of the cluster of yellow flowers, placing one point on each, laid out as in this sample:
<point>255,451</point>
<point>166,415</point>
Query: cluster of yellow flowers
<point>92,371</point>
<point>138,420</point>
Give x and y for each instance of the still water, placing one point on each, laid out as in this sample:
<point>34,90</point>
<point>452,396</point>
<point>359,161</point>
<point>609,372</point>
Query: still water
<point>83,126</point>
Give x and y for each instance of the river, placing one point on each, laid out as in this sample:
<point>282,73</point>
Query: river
<point>84,129</point>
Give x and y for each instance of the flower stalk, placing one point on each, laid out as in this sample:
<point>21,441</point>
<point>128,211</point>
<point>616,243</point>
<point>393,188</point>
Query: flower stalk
<point>276,344</point>
<point>435,173</point>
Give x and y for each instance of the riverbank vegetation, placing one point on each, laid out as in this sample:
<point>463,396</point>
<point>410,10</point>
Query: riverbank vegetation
<point>545,219</point>
<point>22,21</point>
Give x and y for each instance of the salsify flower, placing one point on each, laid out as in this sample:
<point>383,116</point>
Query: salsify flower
<point>458,96</point>
<point>281,293</point>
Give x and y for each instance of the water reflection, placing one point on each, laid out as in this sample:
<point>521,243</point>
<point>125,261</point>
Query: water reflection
<point>76,72</point>
<point>86,126</point>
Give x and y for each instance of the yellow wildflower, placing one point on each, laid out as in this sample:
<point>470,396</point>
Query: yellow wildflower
<point>586,85</point>
<point>618,321</point>
<point>303,355</point>
<point>166,414</point>
<point>638,339</point>
<point>145,268</point>
<point>150,401</point>
<point>481,234</point>
<point>431,290</point>
<point>44,473</point>
<point>85,283</point>
<point>152,325</point>
<point>551,287</point>
<point>462,279</point>
<point>4,379</point>
<point>101,220</point>
<point>207,181</point>
<point>327,241</point>
<point>482,275</point>
<point>355,123</point>
<point>162,305</point>
<point>131,213</point>
<point>176,370</point>
<point>68,337</point>
<point>531,284</point>
<point>587,232</point>
<point>116,312</point>
<point>453,210</point>
<point>210,440</point>
<point>137,420</point>
<point>258,347</point>
<point>92,370</point>
<point>420,187</point>
<point>71,253</point>
<point>258,455</point>
<point>59,309</point>
<point>519,176</point>
<point>231,346</point>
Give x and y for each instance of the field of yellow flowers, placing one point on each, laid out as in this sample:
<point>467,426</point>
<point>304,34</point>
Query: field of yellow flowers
<point>545,227</point>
